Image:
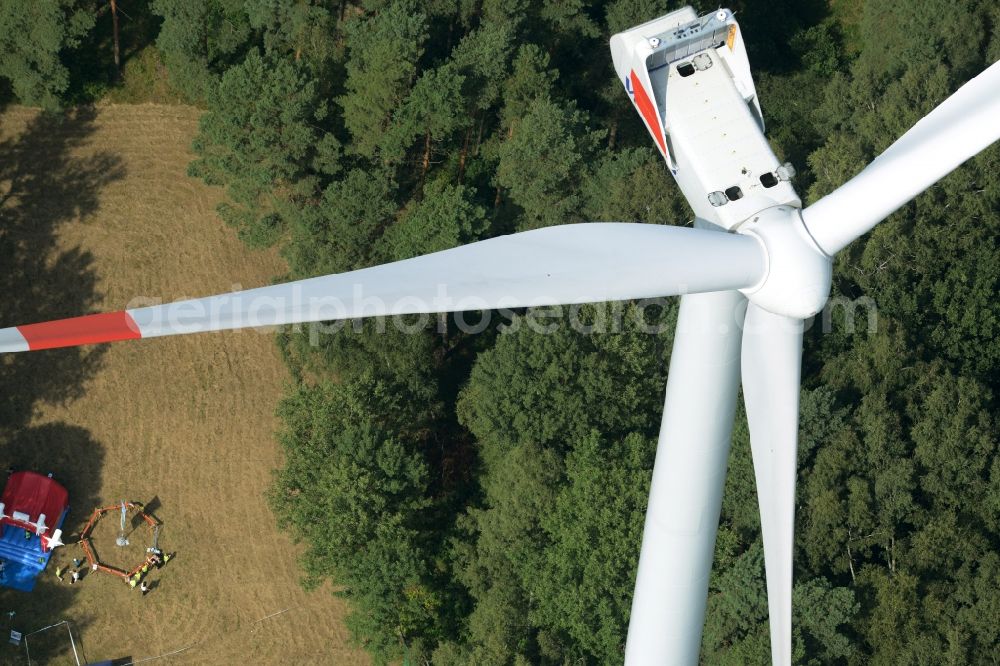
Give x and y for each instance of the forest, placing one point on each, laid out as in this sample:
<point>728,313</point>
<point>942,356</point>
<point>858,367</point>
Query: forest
<point>479,498</point>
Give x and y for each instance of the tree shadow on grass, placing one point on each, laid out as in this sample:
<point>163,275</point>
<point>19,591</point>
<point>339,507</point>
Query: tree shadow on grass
<point>44,184</point>
<point>71,455</point>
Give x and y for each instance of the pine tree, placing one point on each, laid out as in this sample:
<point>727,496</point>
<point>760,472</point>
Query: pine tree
<point>35,38</point>
<point>264,148</point>
<point>384,49</point>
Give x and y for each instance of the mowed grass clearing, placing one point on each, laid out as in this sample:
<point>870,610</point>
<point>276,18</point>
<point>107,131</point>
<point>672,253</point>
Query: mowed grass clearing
<point>97,211</point>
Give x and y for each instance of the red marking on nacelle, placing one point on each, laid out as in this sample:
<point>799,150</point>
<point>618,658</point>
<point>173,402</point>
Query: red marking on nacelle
<point>648,111</point>
<point>86,330</point>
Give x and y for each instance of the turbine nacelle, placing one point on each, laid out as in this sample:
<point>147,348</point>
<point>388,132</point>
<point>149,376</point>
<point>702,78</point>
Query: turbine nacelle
<point>797,277</point>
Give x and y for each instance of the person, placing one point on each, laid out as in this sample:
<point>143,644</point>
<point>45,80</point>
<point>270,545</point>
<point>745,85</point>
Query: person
<point>59,574</point>
<point>75,576</point>
<point>156,560</point>
<point>144,588</point>
<point>77,562</point>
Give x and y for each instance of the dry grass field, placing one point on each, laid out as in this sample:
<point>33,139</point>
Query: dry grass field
<point>96,211</point>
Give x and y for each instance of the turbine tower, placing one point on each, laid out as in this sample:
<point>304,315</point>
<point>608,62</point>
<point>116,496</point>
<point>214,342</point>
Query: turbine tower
<point>754,249</point>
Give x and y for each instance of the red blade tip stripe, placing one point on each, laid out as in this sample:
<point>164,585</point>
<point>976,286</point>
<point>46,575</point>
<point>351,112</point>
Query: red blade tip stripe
<point>648,111</point>
<point>87,330</point>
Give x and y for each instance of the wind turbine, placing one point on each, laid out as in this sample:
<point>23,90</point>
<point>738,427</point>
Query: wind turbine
<point>754,246</point>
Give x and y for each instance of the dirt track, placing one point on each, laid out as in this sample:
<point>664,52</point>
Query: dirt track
<point>95,213</point>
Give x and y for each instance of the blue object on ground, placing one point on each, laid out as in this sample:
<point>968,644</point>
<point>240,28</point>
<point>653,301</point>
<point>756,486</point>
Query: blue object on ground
<point>23,559</point>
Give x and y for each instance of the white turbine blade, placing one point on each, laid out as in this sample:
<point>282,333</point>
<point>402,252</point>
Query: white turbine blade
<point>772,359</point>
<point>960,127</point>
<point>567,264</point>
<point>682,518</point>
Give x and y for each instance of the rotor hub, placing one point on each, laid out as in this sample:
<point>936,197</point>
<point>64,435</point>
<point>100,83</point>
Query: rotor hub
<point>797,280</point>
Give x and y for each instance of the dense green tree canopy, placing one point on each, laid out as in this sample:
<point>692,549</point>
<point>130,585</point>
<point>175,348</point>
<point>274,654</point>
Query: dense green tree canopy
<point>464,121</point>
<point>200,40</point>
<point>34,40</point>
